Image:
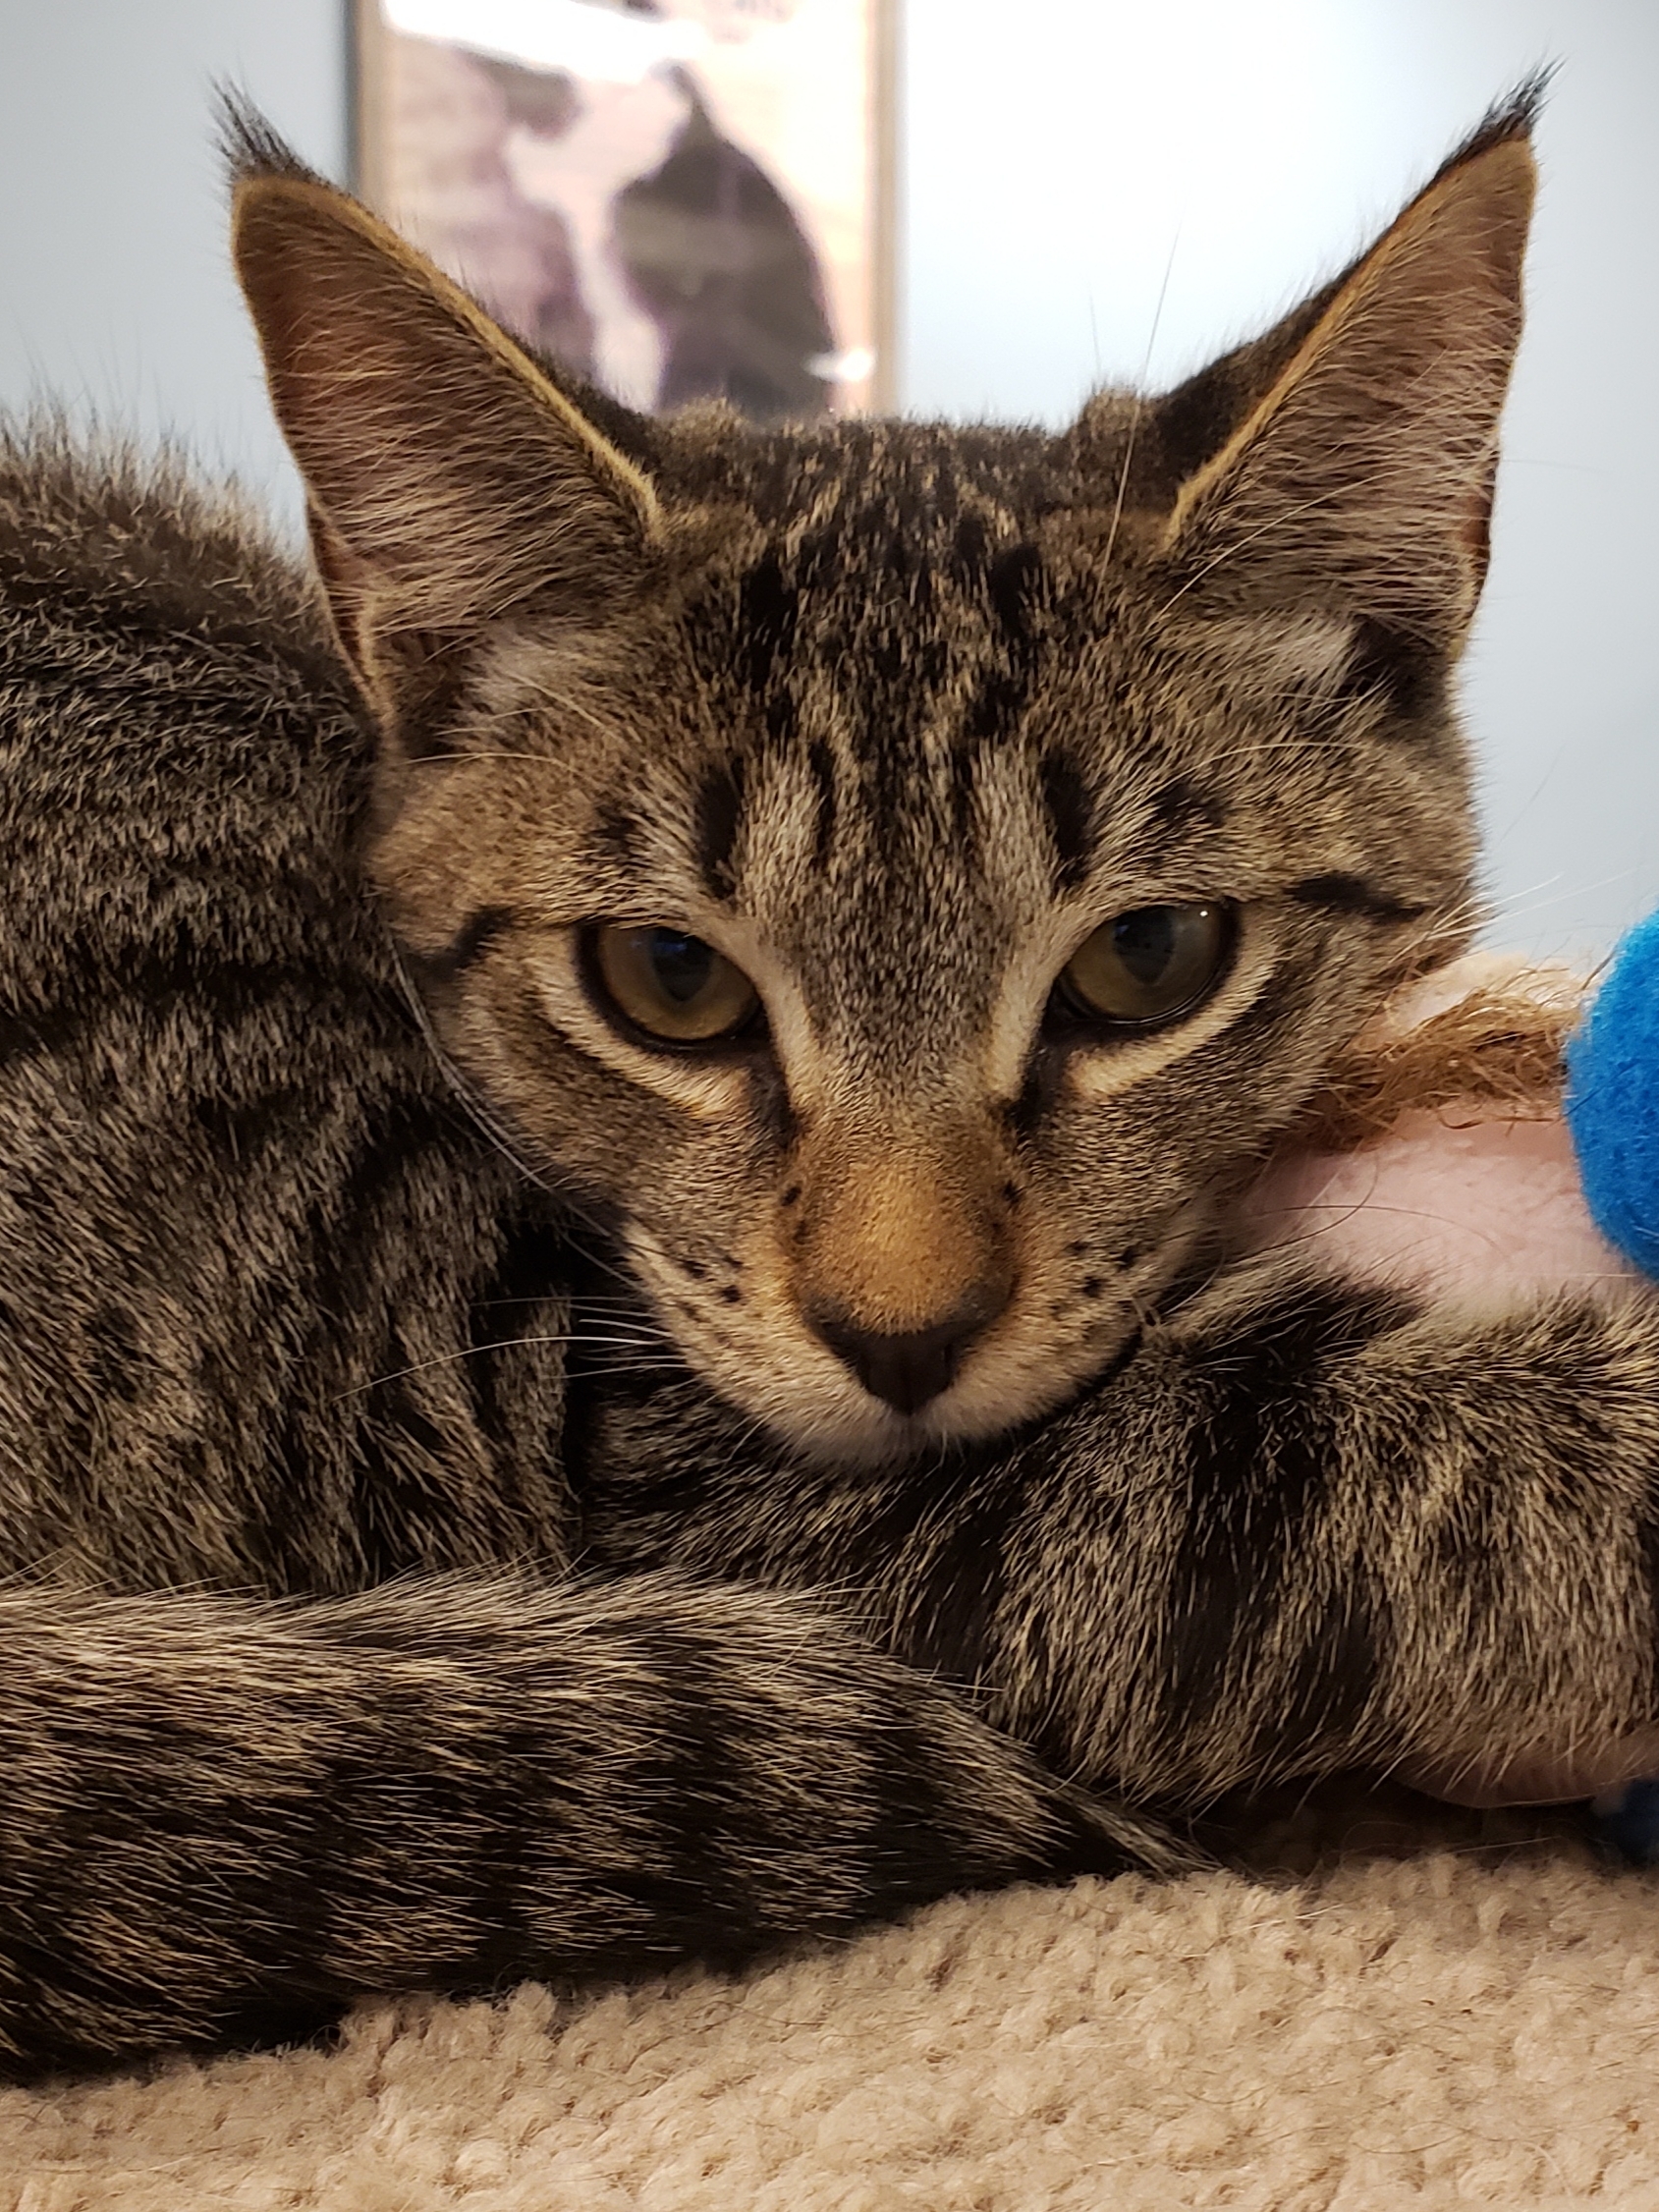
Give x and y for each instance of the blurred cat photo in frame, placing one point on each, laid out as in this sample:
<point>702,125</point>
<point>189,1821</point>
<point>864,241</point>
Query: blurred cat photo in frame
<point>681,200</point>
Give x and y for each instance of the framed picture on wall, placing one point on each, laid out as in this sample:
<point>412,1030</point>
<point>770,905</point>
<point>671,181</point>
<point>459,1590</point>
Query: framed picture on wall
<point>679,198</point>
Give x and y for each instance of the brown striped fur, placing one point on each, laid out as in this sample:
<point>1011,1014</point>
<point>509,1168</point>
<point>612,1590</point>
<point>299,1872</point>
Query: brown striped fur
<point>446,1542</point>
<point>894,715</point>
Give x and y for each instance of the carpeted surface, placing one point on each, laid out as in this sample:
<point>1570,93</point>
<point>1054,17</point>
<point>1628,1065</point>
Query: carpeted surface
<point>1447,2028</point>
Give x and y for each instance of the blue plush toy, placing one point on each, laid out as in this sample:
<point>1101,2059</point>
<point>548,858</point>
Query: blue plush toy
<point>1613,1112</point>
<point>1613,1098</point>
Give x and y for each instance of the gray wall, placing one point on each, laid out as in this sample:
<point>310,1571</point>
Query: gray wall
<point>1061,176</point>
<point>1239,149</point>
<point>114,291</point>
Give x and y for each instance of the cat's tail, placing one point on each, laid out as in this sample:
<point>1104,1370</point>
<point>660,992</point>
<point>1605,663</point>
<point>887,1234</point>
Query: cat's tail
<point>221,1816</point>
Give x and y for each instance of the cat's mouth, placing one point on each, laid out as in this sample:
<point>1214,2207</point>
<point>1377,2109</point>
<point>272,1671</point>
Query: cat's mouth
<point>993,1351</point>
<point>999,1390</point>
<point>888,1397</point>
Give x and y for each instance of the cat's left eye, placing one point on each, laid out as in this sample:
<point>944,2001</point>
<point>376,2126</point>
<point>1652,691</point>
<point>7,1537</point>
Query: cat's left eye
<point>1148,966</point>
<point>669,984</point>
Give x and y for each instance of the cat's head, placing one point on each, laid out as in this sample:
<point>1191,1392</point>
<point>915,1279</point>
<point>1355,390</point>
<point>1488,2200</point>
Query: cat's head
<point>903,875</point>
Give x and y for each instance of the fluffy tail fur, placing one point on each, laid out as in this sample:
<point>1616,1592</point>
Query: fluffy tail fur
<point>225,1817</point>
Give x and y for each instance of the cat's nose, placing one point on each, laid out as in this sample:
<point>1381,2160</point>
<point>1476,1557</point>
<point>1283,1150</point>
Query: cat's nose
<point>909,1369</point>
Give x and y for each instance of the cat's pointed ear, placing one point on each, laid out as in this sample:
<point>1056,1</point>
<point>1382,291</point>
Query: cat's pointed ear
<point>449,478</point>
<point>1359,475</point>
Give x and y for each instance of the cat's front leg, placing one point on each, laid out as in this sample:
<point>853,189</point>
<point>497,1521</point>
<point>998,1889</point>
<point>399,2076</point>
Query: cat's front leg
<point>1313,1525</point>
<point>1305,1526</point>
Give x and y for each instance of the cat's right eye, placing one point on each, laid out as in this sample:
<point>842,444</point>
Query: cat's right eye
<point>669,985</point>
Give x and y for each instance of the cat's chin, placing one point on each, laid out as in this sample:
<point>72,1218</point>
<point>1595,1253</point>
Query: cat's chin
<point>883,1439</point>
<point>977,1411</point>
<point>886,1441</point>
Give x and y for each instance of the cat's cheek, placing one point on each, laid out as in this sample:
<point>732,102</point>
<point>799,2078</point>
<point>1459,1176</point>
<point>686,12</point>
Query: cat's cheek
<point>1049,1348</point>
<point>1070,1319</point>
<point>754,1351</point>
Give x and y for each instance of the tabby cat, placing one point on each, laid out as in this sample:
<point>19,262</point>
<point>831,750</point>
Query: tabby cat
<point>616,1135</point>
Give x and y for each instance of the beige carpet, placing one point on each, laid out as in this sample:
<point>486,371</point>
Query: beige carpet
<point>1476,2025</point>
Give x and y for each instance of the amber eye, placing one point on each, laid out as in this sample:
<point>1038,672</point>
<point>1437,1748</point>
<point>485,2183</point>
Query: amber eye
<point>669,984</point>
<point>1144,968</point>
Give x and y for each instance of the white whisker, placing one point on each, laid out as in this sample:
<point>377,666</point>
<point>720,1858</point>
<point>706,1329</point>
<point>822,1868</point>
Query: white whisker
<point>502,1344</point>
<point>1139,398</point>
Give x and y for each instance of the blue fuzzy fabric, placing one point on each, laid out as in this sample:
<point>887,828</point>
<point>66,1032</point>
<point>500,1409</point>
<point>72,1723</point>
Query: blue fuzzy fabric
<point>1613,1112</point>
<point>1629,1825</point>
<point>1613,1098</point>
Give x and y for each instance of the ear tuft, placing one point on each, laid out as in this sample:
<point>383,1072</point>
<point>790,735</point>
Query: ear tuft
<point>1514,116</point>
<point>248,145</point>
